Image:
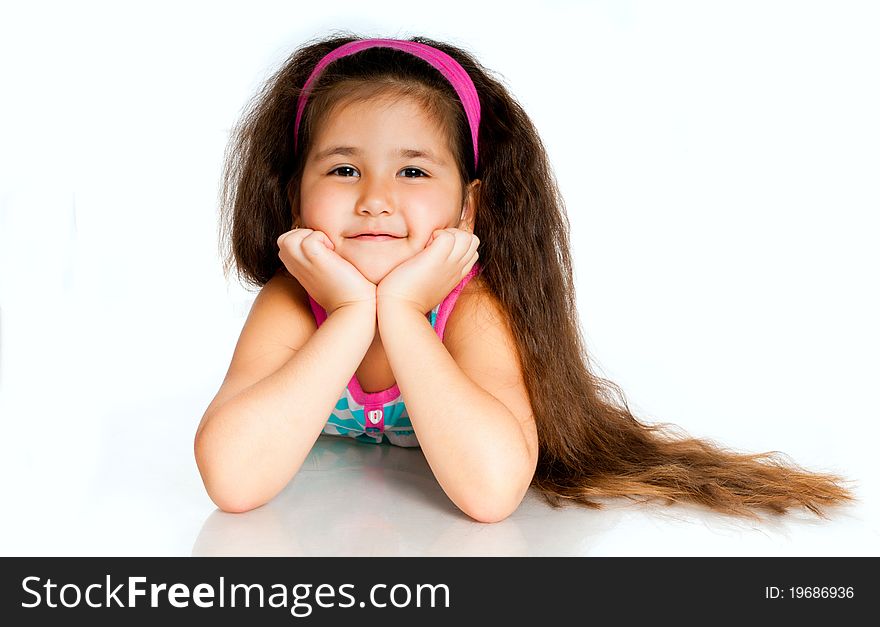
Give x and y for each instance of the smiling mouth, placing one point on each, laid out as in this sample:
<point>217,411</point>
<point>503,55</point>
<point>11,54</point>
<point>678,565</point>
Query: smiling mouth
<point>375,238</point>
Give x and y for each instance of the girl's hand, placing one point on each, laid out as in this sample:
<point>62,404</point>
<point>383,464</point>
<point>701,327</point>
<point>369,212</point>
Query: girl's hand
<point>424,280</point>
<point>331,280</point>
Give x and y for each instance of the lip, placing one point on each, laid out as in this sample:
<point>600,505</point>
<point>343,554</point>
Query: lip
<point>375,238</point>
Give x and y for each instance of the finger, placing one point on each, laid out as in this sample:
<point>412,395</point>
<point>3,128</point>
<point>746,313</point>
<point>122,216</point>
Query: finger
<point>313,243</point>
<point>443,244</point>
<point>471,261</point>
<point>473,252</point>
<point>463,245</point>
<point>473,245</point>
<point>445,236</point>
<point>326,240</point>
<point>324,243</point>
<point>294,237</point>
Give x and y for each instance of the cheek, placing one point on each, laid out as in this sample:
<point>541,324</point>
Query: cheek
<point>426,217</point>
<point>317,200</point>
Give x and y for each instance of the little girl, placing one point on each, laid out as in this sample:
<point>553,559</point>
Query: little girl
<point>361,188</point>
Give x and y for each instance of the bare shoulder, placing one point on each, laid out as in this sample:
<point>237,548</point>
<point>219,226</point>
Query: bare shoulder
<point>280,313</point>
<point>278,325</point>
<point>476,311</point>
<point>285,286</point>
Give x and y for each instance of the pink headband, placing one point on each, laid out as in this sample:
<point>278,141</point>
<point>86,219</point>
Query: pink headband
<point>449,67</point>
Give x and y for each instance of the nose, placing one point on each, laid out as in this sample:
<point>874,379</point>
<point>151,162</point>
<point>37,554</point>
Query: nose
<point>376,197</point>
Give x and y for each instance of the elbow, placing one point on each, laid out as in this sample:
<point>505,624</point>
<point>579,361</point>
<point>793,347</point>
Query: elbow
<point>489,516</point>
<point>222,491</point>
<point>489,511</point>
<point>498,496</point>
<point>230,499</point>
<point>492,506</point>
<point>233,506</point>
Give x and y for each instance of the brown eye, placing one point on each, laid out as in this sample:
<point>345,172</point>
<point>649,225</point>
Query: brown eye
<point>343,167</point>
<point>420,172</point>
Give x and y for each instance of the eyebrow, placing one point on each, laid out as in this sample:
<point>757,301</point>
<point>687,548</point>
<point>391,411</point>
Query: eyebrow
<point>408,153</point>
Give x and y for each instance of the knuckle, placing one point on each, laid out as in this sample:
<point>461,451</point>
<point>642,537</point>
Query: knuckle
<point>313,248</point>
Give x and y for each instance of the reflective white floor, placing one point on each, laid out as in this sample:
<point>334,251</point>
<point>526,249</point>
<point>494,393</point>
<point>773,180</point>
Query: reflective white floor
<point>360,499</point>
<point>135,490</point>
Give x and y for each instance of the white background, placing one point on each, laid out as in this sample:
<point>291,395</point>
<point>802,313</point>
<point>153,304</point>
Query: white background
<point>719,164</point>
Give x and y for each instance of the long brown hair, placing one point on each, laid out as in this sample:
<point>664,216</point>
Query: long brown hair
<point>590,444</point>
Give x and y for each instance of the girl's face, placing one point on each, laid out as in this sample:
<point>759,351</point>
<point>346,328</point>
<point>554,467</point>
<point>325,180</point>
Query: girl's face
<point>382,166</point>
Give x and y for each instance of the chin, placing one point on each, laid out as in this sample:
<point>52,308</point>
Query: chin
<point>376,270</point>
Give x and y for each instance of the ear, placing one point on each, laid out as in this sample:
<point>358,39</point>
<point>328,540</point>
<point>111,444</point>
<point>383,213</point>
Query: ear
<point>293,199</point>
<point>470,206</point>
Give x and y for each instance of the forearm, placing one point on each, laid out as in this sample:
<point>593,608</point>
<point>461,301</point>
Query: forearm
<point>252,445</point>
<point>472,442</point>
